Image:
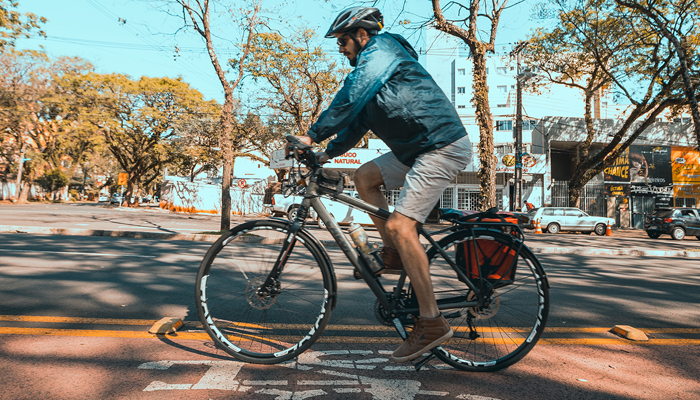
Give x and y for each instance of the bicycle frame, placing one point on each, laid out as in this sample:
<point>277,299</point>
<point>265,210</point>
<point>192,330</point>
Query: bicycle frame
<point>312,199</point>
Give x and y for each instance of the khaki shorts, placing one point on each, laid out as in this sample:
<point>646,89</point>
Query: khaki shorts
<point>424,183</point>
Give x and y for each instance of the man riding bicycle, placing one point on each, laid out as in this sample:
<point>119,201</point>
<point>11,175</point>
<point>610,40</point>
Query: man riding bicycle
<point>392,95</point>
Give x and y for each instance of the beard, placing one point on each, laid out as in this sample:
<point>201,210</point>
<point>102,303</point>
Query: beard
<point>353,61</point>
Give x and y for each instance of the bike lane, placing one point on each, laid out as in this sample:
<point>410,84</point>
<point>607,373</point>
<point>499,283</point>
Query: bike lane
<point>588,364</point>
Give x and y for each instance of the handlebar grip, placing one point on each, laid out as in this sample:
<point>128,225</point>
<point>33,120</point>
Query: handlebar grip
<point>298,143</point>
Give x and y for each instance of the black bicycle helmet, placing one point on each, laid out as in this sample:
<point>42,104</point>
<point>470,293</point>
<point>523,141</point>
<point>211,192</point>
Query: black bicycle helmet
<point>368,18</point>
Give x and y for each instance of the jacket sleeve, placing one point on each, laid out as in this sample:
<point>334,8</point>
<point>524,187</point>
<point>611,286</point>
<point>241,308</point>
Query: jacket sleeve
<point>347,138</point>
<point>373,70</point>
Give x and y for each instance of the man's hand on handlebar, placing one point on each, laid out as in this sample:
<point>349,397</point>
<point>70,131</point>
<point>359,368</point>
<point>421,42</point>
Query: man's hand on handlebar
<point>305,139</point>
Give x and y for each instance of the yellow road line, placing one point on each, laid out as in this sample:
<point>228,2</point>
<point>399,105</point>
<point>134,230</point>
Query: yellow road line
<point>323,339</point>
<point>76,320</point>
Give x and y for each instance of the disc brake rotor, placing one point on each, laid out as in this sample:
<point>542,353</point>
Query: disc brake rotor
<point>258,297</point>
<point>487,311</point>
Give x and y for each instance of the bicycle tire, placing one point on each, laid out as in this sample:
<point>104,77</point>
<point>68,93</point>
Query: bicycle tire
<point>256,327</point>
<point>509,327</point>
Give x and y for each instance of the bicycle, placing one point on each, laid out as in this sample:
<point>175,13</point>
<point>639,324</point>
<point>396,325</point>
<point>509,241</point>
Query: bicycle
<point>266,289</point>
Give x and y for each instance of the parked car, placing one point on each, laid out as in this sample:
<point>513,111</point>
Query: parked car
<point>342,213</point>
<point>675,221</point>
<point>556,219</point>
<point>117,198</point>
<point>103,198</point>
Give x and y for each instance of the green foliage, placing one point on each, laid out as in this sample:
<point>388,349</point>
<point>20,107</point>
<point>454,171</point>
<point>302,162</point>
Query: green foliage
<point>14,25</point>
<point>53,180</point>
<point>301,78</point>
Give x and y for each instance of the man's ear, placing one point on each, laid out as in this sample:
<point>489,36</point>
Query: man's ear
<point>362,34</point>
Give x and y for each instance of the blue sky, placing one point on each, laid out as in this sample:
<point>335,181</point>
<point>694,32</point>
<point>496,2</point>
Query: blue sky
<point>137,38</point>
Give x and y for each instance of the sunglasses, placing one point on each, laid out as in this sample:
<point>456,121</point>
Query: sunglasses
<point>343,40</point>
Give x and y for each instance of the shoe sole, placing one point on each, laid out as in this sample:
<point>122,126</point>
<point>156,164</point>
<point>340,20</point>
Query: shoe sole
<point>435,343</point>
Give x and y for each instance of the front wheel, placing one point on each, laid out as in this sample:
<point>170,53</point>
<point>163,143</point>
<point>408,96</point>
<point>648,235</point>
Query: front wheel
<point>653,235</point>
<point>600,229</point>
<point>254,315</point>
<point>553,228</point>
<point>514,310</point>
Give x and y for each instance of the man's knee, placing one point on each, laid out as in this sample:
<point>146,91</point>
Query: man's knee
<point>399,225</point>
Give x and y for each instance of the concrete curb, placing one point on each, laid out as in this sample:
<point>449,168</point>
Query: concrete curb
<point>196,237</point>
<point>588,251</point>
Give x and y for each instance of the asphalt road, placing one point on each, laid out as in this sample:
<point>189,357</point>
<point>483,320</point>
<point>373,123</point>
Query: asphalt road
<point>76,310</point>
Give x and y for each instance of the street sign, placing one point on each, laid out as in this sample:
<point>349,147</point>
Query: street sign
<point>278,161</point>
<point>241,183</point>
<point>122,178</point>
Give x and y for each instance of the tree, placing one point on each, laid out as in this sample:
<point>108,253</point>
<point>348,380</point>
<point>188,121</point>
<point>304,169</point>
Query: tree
<point>302,78</point>
<point>478,48</point>
<point>139,119</point>
<point>52,181</point>
<point>197,142</point>
<point>676,21</point>
<point>24,84</point>
<point>616,47</point>
<point>196,14</point>
<point>14,25</point>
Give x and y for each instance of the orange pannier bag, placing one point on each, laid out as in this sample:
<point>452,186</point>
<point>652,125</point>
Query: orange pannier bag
<point>497,261</point>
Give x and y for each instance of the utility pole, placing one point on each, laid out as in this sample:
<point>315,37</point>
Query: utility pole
<point>518,133</point>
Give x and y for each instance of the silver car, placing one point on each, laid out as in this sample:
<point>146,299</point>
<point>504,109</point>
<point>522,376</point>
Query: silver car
<point>555,219</point>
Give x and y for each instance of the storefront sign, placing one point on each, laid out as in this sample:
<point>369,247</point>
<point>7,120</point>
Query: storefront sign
<point>686,165</point>
<point>641,189</point>
<point>650,165</point>
<point>617,189</point>
<point>354,158</point>
<point>531,164</point>
<point>620,170</point>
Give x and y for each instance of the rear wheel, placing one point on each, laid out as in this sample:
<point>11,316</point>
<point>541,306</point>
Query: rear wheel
<point>678,233</point>
<point>512,316</point>
<point>257,317</point>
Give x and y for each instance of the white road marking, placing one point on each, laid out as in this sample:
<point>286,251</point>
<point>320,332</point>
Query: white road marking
<point>221,375</point>
<point>285,395</point>
<point>75,253</point>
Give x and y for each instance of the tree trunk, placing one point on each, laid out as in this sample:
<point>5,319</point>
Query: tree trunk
<point>487,172</point>
<point>227,147</point>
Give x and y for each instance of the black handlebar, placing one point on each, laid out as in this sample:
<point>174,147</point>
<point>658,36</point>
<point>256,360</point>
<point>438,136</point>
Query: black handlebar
<point>300,151</point>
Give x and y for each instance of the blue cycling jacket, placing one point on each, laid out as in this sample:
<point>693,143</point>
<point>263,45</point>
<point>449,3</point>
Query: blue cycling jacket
<point>390,93</point>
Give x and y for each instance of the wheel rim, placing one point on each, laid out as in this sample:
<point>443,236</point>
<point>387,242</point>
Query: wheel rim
<point>678,233</point>
<point>508,325</point>
<point>271,323</point>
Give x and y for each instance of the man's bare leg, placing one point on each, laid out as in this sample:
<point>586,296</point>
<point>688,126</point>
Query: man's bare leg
<point>368,179</point>
<point>404,234</point>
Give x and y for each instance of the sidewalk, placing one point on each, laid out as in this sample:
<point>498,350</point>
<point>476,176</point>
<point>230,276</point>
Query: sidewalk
<point>627,242</point>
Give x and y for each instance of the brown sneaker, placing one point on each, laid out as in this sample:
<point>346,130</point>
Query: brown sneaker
<point>392,261</point>
<point>427,333</point>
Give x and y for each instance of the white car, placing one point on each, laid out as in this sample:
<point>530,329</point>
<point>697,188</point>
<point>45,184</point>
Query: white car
<point>103,198</point>
<point>555,219</point>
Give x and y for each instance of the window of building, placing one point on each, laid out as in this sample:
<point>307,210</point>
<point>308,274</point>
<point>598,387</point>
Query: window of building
<point>506,125</point>
<point>682,120</point>
<point>529,125</point>
<point>461,106</point>
<point>502,105</point>
<point>501,70</point>
<point>461,90</point>
<point>487,71</point>
<point>461,71</point>
<point>503,88</point>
